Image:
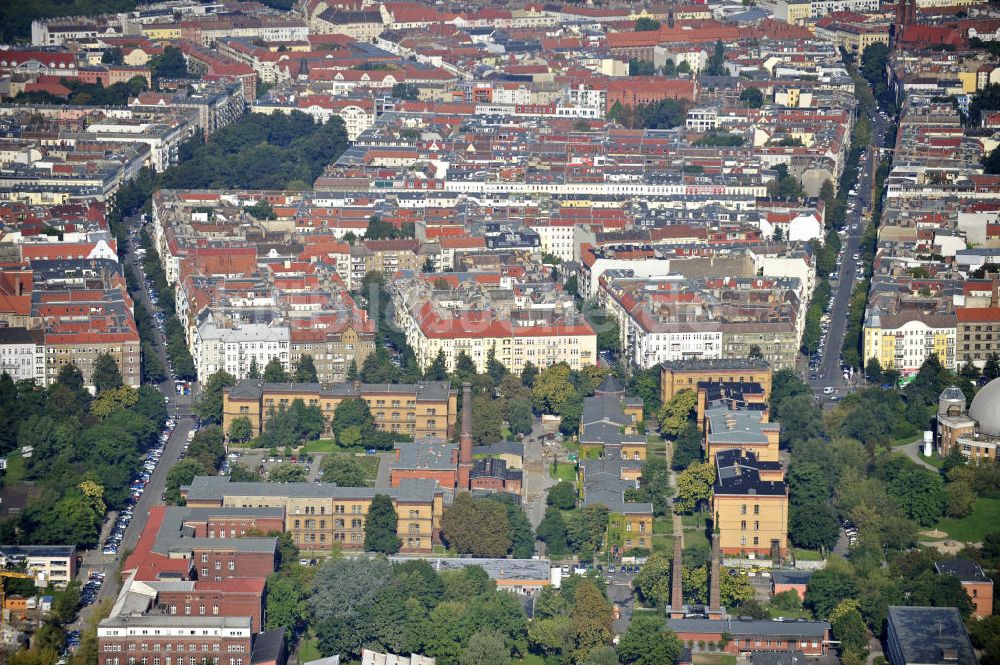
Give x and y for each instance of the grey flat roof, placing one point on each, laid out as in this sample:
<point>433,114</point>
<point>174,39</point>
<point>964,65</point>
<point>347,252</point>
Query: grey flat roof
<point>498,569</point>
<point>712,364</point>
<point>500,448</point>
<point>174,536</point>
<point>751,627</point>
<point>428,454</point>
<point>923,633</point>
<point>424,390</point>
<point>216,488</point>
<point>178,620</point>
<point>37,550</point>
<point>791,576</point>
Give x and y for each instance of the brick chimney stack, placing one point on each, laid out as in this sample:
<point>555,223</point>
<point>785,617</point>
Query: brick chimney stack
<point>676,588</point>
<point>465,441</point>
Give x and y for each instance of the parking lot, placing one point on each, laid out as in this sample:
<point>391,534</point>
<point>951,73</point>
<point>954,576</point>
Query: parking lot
<point>261,461</point>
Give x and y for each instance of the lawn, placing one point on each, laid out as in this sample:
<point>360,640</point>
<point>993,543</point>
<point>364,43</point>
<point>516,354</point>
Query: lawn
<point>655,447</point>
<point>694,520</point>
<point>16,468</point>
<point>309,650</point>
<point>799,613</point>
<point>663,540</point>
<point>970,529</point>
<point>807,555</point>
<point>321,446</point>
<point>369,463</point>
<point>714,659</point>
<point>563,471</point>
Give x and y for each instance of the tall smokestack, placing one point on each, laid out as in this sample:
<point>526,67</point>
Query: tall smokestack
<point>676,588</point>
<point>714,593</point>
<point>465,441</point>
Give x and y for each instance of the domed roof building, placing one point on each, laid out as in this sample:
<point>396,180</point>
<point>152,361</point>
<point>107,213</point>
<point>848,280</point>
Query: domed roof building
<point>976,432</point>
<point>985,408</point>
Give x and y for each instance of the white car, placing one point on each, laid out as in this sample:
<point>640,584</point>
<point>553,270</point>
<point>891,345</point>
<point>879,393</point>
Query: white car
<point>828,390</point>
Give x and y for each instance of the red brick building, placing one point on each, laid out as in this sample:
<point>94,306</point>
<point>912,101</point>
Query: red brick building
<point>229,598</point>
<point>977,585</point>
<point>636,90</point>
<point>206,562</point>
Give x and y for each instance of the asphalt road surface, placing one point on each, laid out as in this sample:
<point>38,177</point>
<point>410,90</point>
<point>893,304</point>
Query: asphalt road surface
<point>828,372</point>
<point>179,409</point>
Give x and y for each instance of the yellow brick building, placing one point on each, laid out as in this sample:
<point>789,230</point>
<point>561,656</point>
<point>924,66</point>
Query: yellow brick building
<point>419,409</point>
<point>740,429</point>
<point>322,517</point>
<point>750,505</point>
<point>687,374</point>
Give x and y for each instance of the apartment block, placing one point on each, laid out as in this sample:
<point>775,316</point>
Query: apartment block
<point>456,313</point>
<point>22,354</point>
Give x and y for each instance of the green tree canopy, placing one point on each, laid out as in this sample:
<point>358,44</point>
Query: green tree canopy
<point>380,526</point>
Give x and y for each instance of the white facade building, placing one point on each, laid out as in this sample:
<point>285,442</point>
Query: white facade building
<point>22,354</point>
<point>234,349</point>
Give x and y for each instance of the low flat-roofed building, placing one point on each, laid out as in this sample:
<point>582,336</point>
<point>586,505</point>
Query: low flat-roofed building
<point>524,576</point>
<point>428,458</point>
<point>50,564</point>
<point>369,657</point>
<point>790,580</point>
<point>809,637</point>
<point>927,636</point>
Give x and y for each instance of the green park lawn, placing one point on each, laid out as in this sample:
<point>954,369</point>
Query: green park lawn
<point>799,613</point>
<point>985,518</point>
<point>370,465</point>
<point>807,555</point>
<point>530,659</point>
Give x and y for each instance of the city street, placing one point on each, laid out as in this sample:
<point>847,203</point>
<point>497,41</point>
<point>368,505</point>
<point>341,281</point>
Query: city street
<point>536,476</point>
<point>179,409</point>
<point>828,372</point>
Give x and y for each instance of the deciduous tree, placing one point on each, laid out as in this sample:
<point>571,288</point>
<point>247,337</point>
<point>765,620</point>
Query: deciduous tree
<point>648,642</point>
<point>676,413</point>
<point>209,404</point>
<point>380,526</point>
<point>694,487</point>
<point>476,527</point>
<point>106,373</point>
<point>274,372</point>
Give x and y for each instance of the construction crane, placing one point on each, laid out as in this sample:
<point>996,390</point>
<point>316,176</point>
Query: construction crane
<point>14,574</point>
